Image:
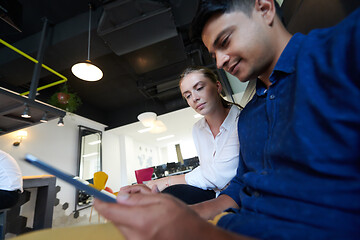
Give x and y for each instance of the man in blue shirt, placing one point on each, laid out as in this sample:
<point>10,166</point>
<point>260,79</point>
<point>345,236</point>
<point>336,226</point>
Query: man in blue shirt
<point>299,170</point>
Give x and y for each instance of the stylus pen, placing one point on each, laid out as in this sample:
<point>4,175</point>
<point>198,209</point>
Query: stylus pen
<point>68,178</point>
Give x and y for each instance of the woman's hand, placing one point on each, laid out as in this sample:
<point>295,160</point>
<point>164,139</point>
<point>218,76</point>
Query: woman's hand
<point>165,182</point>
<point>138,188</point>
<point>159,184</point>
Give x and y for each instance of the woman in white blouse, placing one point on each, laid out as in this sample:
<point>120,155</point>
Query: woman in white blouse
<point>11,183</point>
<point>215,137</point>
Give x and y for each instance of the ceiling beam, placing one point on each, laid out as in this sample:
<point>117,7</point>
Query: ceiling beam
<point>60,32</point>
<point>19,119</point>
<point>10,109</point>
<point>32,103</point>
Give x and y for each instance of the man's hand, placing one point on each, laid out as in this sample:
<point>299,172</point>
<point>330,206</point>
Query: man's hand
<point>149,216</point>
<point>157,216</point>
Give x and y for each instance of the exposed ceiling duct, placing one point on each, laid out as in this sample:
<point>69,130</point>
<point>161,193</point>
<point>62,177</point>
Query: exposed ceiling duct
<point>11,13</point>
<point>145,34</point>
<point>127,26</point>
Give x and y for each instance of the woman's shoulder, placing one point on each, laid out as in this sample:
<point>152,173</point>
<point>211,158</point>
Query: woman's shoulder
<point>234,112</point>
<point>201,123</point>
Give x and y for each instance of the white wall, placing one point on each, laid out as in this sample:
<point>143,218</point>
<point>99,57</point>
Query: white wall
<point>137,155</point>
<point>122,155</point>
<point>55,145</point>
<point>188,149</point>
<point>111,161</point>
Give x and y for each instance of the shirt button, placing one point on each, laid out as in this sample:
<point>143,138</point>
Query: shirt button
<point>256,194</point>
<point>272,96</point>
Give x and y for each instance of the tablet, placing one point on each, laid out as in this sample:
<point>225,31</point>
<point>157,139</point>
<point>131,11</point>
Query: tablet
<point>79,184</point>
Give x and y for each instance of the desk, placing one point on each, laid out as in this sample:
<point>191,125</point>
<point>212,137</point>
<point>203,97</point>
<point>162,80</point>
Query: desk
<point>173,174</point>
<point>44,205</point>
<point>45,199</point>
<point>179,173</point>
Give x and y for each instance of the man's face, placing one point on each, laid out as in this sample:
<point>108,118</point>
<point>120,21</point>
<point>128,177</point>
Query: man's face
<point>240,44</point>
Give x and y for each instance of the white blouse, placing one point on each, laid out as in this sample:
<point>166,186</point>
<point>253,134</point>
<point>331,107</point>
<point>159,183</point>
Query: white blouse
<point>10,173</point>
<point>219,156</point>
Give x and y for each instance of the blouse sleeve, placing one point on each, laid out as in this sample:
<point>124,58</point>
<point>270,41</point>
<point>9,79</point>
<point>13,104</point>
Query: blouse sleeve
<point>215,172</point>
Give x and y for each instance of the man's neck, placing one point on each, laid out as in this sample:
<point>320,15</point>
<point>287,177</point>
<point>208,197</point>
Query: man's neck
<point>282,37</point>
<point>265,80</point>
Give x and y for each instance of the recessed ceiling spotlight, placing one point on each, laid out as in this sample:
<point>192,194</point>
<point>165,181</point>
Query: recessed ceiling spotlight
<point>164,138</point>
<point>61,122</point>
<point>144,130</point>
<point>26,113</point>
<point>44,118</point>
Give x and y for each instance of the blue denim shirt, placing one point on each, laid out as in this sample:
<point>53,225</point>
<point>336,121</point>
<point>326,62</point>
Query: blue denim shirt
<point>299,169</point>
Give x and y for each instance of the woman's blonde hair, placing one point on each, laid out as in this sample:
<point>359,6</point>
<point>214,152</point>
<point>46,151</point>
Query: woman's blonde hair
<point>209,74</point>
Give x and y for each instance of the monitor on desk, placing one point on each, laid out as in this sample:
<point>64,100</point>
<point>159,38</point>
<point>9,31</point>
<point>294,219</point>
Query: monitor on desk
<point>191,162</point>
<point>171,167</point>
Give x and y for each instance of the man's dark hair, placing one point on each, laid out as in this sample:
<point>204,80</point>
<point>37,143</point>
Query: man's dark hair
<point>208,8</point>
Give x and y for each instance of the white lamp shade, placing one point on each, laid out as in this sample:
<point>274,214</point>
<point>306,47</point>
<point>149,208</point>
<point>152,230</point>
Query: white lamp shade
<point>147,119</point>
<point>87,71</point>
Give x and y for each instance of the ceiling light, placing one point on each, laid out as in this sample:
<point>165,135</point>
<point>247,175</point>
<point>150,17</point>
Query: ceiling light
<point>61,122</point>
<point>147,119</point>
<point>144,130</point>
<point>164,138</point>
<point>95,142</point>
<point>44,118</point>
<point>158,127</point>
<point>90,154</point>
<point>20,135</point>
<point>87,70</point>
<point>26,113</point>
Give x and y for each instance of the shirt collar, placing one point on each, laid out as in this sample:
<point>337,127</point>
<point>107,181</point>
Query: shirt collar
<point>202,123</point>
<point>287,59</point>
<point>230,118</point>
<point>228,122</point>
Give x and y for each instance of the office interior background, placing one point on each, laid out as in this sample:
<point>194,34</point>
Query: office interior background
<point>141,46</point>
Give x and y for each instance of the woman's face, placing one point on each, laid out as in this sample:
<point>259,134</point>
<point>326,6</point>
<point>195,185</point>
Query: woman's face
<point>201,93</point>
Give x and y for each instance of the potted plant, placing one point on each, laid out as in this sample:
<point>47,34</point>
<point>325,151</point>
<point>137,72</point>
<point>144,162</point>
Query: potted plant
<point>65,100</point>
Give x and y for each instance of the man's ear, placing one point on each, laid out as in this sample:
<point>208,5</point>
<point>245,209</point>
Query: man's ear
<point>267,10</point>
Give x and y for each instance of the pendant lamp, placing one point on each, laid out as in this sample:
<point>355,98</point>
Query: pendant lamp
<point>147,118</point>
<point>87,70</point>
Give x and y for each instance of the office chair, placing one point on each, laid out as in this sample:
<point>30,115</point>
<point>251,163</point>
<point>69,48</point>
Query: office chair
<point>100,179</point>
<point>144,174</point>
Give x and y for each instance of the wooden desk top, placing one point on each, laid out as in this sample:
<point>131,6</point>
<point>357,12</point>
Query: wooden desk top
<point>37,176</point>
